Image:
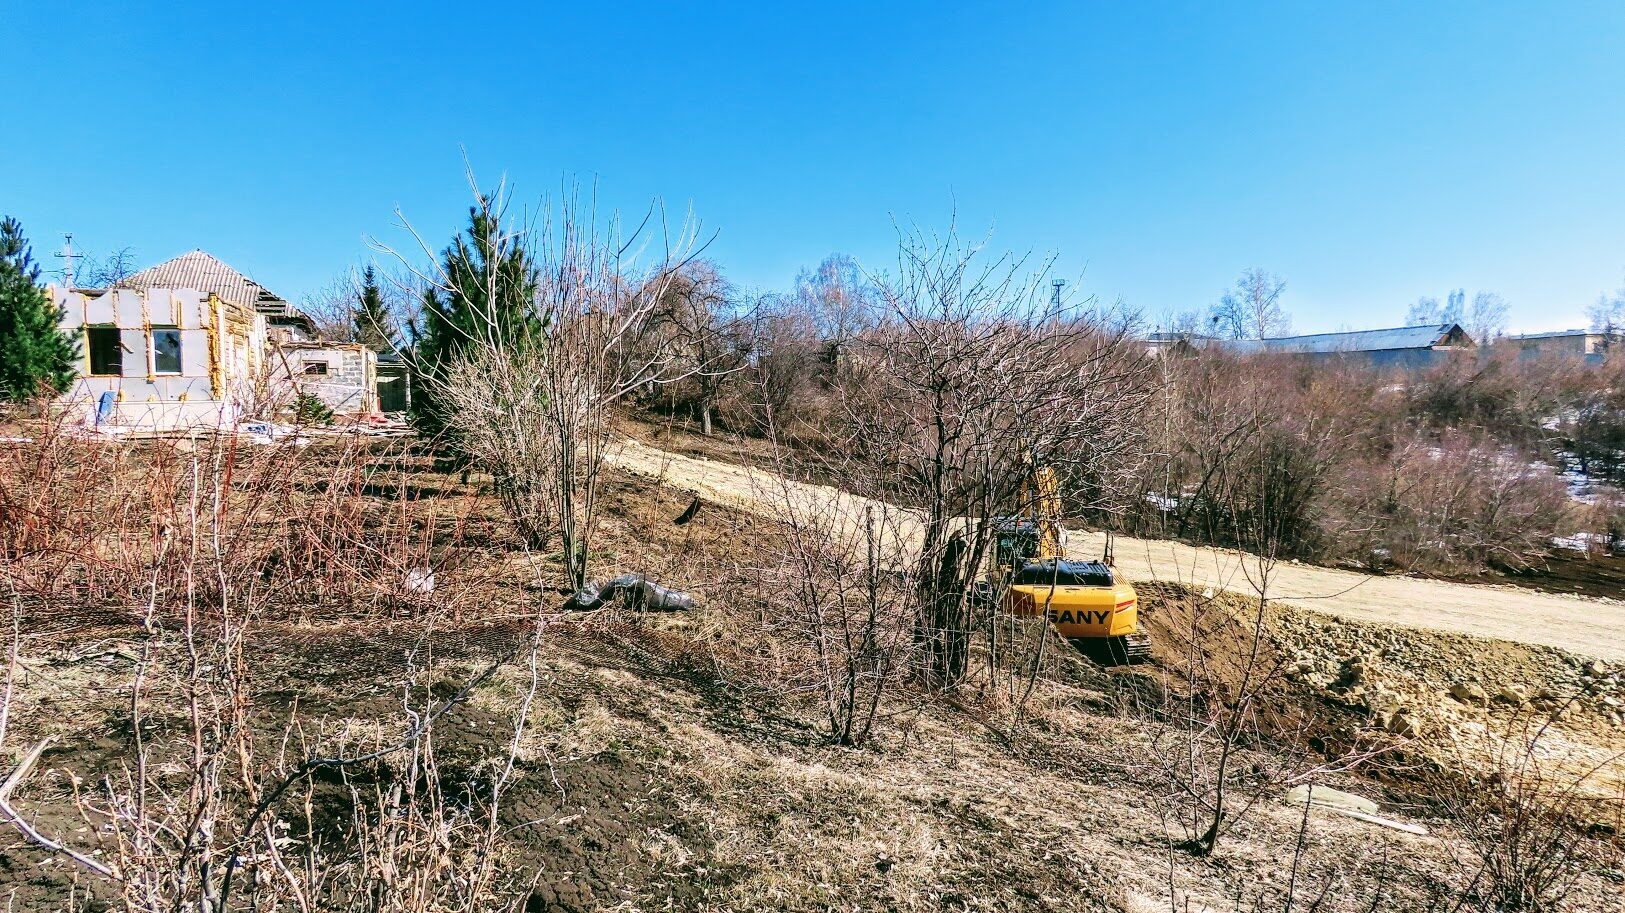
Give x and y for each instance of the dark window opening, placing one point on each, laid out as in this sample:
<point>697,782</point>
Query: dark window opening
<point>106,351</point>
<point>315,367</point>
<point>166,351</point>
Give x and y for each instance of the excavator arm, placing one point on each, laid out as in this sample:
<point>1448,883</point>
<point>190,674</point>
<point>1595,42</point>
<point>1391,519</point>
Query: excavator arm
<point>1041,494</point>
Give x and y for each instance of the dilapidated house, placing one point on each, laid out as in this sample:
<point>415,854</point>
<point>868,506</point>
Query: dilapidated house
<point>193,342</point>
<point>343,375</point>
<point>162,358</point>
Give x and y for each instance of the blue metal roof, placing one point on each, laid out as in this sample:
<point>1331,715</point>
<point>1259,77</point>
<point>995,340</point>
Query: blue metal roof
<point>1423,337</point>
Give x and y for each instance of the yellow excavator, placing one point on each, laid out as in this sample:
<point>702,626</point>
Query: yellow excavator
<point>1084,600</point>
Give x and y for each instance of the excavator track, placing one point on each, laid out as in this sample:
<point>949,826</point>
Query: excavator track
<point>1126,650</point>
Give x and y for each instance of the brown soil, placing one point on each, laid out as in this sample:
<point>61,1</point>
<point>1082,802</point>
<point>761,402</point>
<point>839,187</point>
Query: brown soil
<point>1572,573</point>
<point>583,821</point>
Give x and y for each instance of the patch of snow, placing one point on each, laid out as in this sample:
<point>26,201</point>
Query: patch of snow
<point>1579,542</point>
<point>1163,502</point>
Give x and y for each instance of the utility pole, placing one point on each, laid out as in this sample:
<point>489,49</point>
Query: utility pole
<point>68,256</point>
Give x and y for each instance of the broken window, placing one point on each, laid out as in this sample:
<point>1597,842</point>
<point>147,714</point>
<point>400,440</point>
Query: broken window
<point>166,351</point>
<point>106,351</point>
<point>315,367</point>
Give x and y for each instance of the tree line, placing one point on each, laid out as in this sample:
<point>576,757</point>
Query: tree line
<point>1457,469</point>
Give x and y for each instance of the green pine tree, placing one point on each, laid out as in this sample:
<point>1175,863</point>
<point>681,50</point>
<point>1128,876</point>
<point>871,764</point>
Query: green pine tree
<point>370,318</point>
<point>35,353</point>
<point>492,280</point>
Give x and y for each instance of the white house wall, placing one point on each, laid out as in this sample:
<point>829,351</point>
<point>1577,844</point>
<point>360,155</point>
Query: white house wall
<point>146,399</point>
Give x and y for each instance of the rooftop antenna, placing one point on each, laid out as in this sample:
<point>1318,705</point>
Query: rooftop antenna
<point>68,256</point>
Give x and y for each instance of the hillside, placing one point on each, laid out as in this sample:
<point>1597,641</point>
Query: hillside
<point>679,761</point>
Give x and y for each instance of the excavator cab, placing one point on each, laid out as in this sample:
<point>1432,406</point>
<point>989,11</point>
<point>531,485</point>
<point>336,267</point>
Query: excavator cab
<point>1015,541</point>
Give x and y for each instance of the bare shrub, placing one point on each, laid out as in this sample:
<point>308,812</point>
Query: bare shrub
<point>1499,396</point>
<point>781,388</point>
<point>1225,696</point>
<point>1520,804</point>
<point>1246,436</point>
<point>1223,732</point>
<point>1596,429</point>
<point>212,807</point>
<point>1457,504</point>
<point>68,516</point>
<point>1602,522</point>
<point>1444,471</point>
<point>841,590</point>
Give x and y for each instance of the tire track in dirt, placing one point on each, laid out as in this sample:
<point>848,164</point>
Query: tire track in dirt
<point>1593,627</point>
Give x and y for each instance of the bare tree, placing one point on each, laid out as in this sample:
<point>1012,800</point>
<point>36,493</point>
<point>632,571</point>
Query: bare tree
<point>1187,323</point>
<point>1252,308</point>
<point>1425,312</point>
<point>106,271</point>
<point>1607,313</point>
<point>1486,320</point>
<point>700,318</point>
<point>533,407</point>
<point>1429,312</point>
<point>842,301</point>
<point>334,308</point>
<point>1455,306</point>
<point>971,377</point>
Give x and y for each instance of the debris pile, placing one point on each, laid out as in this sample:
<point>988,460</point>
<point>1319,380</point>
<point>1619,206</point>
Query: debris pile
<point>1417,683</point>
<point>640,594</point>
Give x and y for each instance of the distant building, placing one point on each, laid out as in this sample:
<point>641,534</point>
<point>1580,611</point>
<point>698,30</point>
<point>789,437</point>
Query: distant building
<point>1399,347</point>
<point>1163,342</point>
<point>1591,345</point>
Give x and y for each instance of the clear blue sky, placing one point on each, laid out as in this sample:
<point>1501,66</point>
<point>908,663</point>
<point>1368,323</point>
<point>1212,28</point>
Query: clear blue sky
<point>1369,153</point>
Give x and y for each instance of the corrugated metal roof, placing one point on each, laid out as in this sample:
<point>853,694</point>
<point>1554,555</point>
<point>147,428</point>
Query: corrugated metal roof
<point>206,273</point>
<point>1556,334</point>
<point>1423,337</point>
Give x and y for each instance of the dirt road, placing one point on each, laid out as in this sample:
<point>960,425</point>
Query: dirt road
<point>1595,627</point>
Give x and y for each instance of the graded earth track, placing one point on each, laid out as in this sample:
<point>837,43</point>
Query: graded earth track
<point>1594,627</point>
